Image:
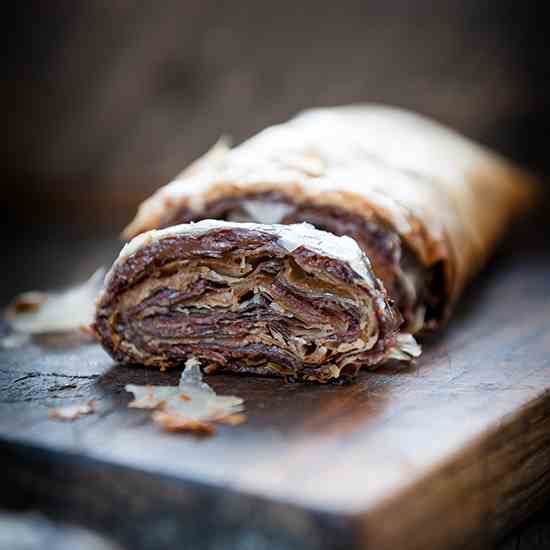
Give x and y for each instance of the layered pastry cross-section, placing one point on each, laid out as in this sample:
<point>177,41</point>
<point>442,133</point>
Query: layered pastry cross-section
<point>265,299</point>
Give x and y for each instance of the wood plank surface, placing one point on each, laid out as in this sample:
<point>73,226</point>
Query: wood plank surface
<point>449,453</point>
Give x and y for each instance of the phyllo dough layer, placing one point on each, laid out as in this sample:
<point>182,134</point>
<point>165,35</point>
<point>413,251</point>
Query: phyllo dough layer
<point>289,300</point>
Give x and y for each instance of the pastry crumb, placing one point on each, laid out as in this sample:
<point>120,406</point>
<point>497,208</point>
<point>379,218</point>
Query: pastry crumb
<point>72,412</point>
<point>191,406</point>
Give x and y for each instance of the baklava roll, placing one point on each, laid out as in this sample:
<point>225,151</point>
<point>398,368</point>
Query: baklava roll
<point>264,299</point>
<point>425,204</point>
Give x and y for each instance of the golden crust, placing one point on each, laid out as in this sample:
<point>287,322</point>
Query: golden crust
<point>448,198</point>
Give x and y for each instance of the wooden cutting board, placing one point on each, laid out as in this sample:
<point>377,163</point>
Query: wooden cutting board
<point>447,453</point>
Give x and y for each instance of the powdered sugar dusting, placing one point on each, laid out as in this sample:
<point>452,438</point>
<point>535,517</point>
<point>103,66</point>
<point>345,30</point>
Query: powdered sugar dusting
<point>290,237</point>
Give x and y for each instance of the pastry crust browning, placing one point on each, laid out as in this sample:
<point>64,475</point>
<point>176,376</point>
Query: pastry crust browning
<point>445,199</point>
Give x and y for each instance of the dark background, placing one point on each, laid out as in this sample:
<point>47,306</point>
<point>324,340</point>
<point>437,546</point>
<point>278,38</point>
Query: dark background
<point>104,101</point>
<point>107,100</point>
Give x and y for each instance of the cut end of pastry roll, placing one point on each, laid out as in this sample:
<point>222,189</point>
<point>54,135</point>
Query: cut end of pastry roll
<point>265,299</point>
<point>426,204</point>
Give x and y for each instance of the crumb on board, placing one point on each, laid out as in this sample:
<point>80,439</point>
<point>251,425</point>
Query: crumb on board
<point>176,422</point>
<point>72,309</point>
<point>29,301</point>
<point>191,406</point>
<point>72,412</point>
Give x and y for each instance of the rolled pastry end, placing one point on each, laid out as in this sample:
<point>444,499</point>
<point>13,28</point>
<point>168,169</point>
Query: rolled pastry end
<point>426,204</point>
<point>264,299</point>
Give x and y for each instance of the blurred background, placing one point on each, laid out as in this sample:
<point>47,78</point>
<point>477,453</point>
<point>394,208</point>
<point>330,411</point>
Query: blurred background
<point>107,100</point>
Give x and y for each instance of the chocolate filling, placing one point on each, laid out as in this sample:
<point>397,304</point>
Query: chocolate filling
<point>238,300</point>
<point>416,291</point>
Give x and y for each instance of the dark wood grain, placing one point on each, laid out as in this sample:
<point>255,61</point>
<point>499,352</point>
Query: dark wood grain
<point>533,534</point>
<point>459,442</point>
